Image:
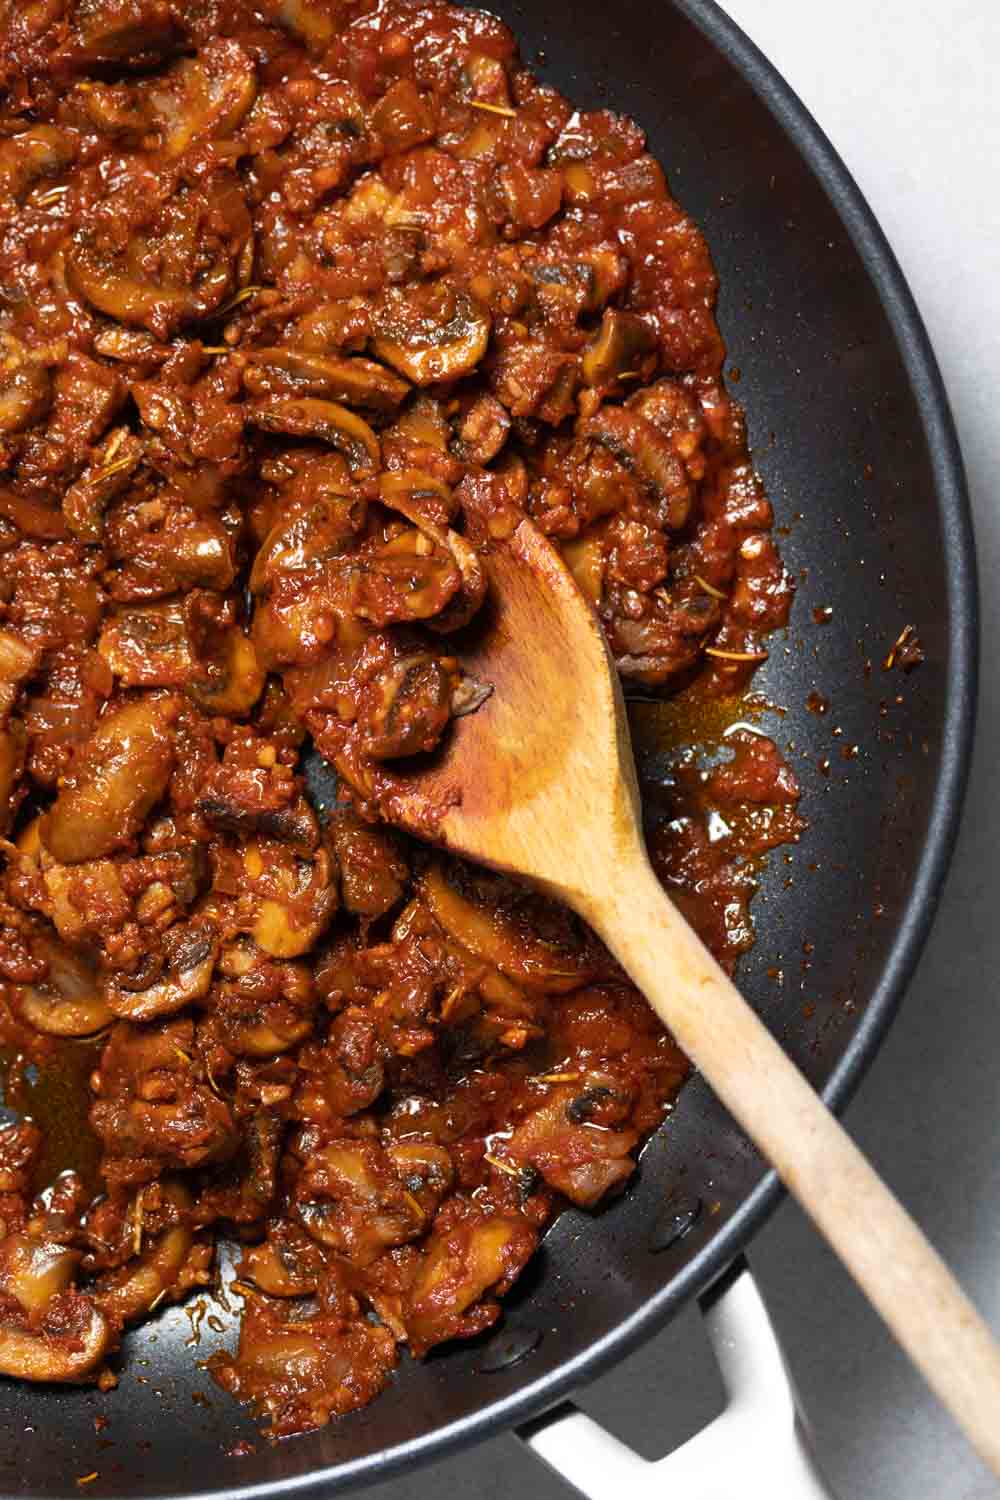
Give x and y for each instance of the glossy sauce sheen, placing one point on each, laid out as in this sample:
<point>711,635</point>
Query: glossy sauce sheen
<point>303,306</point>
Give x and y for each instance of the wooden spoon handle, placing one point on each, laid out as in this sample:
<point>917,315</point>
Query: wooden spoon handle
<point>901,1274</point>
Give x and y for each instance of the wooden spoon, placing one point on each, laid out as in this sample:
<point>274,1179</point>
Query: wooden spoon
<point>540,782</point>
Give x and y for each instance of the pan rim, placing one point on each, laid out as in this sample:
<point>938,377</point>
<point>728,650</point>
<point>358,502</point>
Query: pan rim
<point>958,547</point>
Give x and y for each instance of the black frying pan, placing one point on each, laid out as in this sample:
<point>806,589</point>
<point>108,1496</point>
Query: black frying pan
<point>852,432</point>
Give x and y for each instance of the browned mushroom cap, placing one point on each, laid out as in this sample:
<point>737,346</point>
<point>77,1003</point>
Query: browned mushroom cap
<point>306,532</point>
<point>409,705</point>
<point>18,661</point>
<point>558,962</point>
<point>56,1334</point>
<point>25,388</point>
<point>407,491</point>
<point>647,453</point>
<point>232,680</point>
<point>121,773</point>
<point>622,346</point>
<point>302,899</point>
<point>39,151</point>
<point>415,493</point>
<point>145,304</point>
<point>70,1000</point>
<point>439,336</point>
<point>206,95</point>
<point>308,416</point>
<point>357,382</point>
<point>189,953</point>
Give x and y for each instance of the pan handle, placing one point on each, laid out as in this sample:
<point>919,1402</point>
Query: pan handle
<point>756,1447</point>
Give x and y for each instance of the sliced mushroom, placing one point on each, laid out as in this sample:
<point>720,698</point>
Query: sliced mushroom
<point>186,975</point>
<point>350,1198</point>
<point>137,33</point>
<point>232,680</point>
<point>407,492</point>
<point>507,937</point>
<point>309,531</point>
<point>623,345</point>
<point>148,645</point>
<point>460,1266</point>
<point>286,1264</point>
<point>19,660</point>
<point>423,422</point>
<point>294,624</point>
<point>288,924</point>
<point>419,496</point>
<point>202,96</point>
<point>647,453</point>
<point>425,1169</point>
<point>409,706</point>
<point>470,695</point>
<point>34,1270</point>
<point>52,1333</point>
<point>358,382</point>
<point>67,1351</point>
<point>439,337</point>
<point>407,579</point>
<point>584,556</point>
<point>13,744</point>
<point>577,1159</point>
<point>157,306</point>
<point>308,416</point>
<point>309,20</point>
<point>121,773</point>
<point>25,389</point>
<point>372,872</point>
<point>264,1007</point>
<point>39,151</point>
<point>467,602</point>
<point>70,1000</point>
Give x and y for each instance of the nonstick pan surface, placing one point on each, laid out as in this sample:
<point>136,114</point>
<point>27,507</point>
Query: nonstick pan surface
<point>852,433</point>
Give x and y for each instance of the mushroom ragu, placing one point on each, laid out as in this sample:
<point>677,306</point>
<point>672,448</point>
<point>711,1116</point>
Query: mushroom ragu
<point>303,305</point>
